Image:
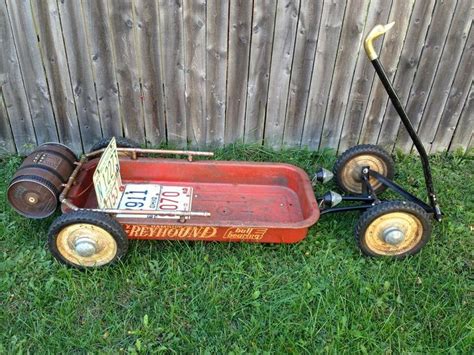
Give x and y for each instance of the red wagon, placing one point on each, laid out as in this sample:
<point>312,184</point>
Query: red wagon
<point>119,191</point>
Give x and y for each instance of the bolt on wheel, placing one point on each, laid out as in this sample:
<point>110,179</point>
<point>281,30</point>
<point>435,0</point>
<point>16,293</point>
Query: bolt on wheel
<point>395,228</point>
<point>87,239</point>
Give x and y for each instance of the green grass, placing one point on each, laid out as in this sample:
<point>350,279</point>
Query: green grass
<point>317,295</point>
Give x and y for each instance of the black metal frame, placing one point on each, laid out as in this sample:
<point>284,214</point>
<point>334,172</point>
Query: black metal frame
<point>368,195</point>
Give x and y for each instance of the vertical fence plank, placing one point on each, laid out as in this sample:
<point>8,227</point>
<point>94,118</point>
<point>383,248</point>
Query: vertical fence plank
<point>216,70</point>
<point>103,66</point>
<point>148,33</point>
<point>280,72</point>
<point>364,73</point>
<point>11,84</point>
<point>456,98</point>
<point>443,80</point>
<point>194,13</point>
<point>427,69</point>
<point>331,23</point>
<point>240,22</point>
<point>259,69</point>
<point>464,130</point>
<point>303,61</point>
<point>123,23</point>
<point>7,145</point>
<point>171,28</point>
<point>382,121</point>
<point>348,52</point>
<point>80,70</point>
<point>48,25</point>
<point>32,70</point>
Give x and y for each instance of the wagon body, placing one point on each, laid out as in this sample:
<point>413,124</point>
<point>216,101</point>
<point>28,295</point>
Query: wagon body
<point>245,202</point>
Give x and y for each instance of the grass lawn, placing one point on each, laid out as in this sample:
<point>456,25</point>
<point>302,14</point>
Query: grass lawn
<point>317,295</point>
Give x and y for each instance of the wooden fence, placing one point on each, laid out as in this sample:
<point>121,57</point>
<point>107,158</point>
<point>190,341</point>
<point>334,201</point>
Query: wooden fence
<point>201,73</point>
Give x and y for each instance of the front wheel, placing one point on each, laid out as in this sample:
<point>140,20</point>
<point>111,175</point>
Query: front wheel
<point>395,228</point>
<point>86,239</point>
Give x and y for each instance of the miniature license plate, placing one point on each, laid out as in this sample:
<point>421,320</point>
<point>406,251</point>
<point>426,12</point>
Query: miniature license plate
<point>150,197</point>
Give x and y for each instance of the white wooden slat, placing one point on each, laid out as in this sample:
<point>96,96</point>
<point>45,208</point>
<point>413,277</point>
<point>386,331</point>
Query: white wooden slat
<point>7,144</point>
<point>465,128</point>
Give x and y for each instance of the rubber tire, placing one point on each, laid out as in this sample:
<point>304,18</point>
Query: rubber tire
<point>363,149</point>
<point>387,207</point>
<point>98,219</point>
<point>121,143</point>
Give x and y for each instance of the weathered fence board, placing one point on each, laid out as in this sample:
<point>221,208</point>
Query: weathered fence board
<point>384,131</point>
<point>200,73</point>
<point>351,37</point>
<point>362,81</point>
<point>171,31</point>
<point>328,40</point>
<point>240,21</point>
<point>103,66</point>
<point>464,130</point>
<point>147,17</point>
<point>451,56</point>
<point>259,69</point>
<point>14,95</point>
<point>305,48</point>
<point>80,71</point>
<point>123,26</point>
<point>457,97</point>
<point>55,62</point>
<point>426,71</point>
<point>195,70</point>
<point>7,144</point>
<point>282,58</point>
<point>32,70</point>
<point>216,68</point>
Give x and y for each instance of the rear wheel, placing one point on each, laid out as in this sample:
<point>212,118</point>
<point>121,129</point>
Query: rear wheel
<point>348,167</point>
<point>121,143</point>
<point>395,228</point>
<point>86,239</point>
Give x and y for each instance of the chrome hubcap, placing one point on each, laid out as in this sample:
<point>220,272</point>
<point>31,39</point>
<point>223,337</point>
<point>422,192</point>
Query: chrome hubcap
<point>393,236</point>
<point>85,246</point>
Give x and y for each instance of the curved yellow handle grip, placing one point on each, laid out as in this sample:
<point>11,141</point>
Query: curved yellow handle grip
<point>376,32</point>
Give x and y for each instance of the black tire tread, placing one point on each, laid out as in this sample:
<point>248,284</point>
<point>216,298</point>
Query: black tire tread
<point>99,219</point>
<point>392,206</point>
<point>358,150</point>
<point>121,143</point>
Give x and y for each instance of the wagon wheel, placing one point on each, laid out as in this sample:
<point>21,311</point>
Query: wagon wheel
<point>121,143</point>
<point>86,239</point>
<point>348,167</point>
<point>395,228</point>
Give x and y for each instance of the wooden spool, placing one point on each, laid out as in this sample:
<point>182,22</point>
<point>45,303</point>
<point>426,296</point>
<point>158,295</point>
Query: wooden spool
<point>35,187</point>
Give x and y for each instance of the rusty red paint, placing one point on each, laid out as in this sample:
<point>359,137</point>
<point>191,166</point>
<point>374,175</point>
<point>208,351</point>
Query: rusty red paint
<point>248,202</point>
